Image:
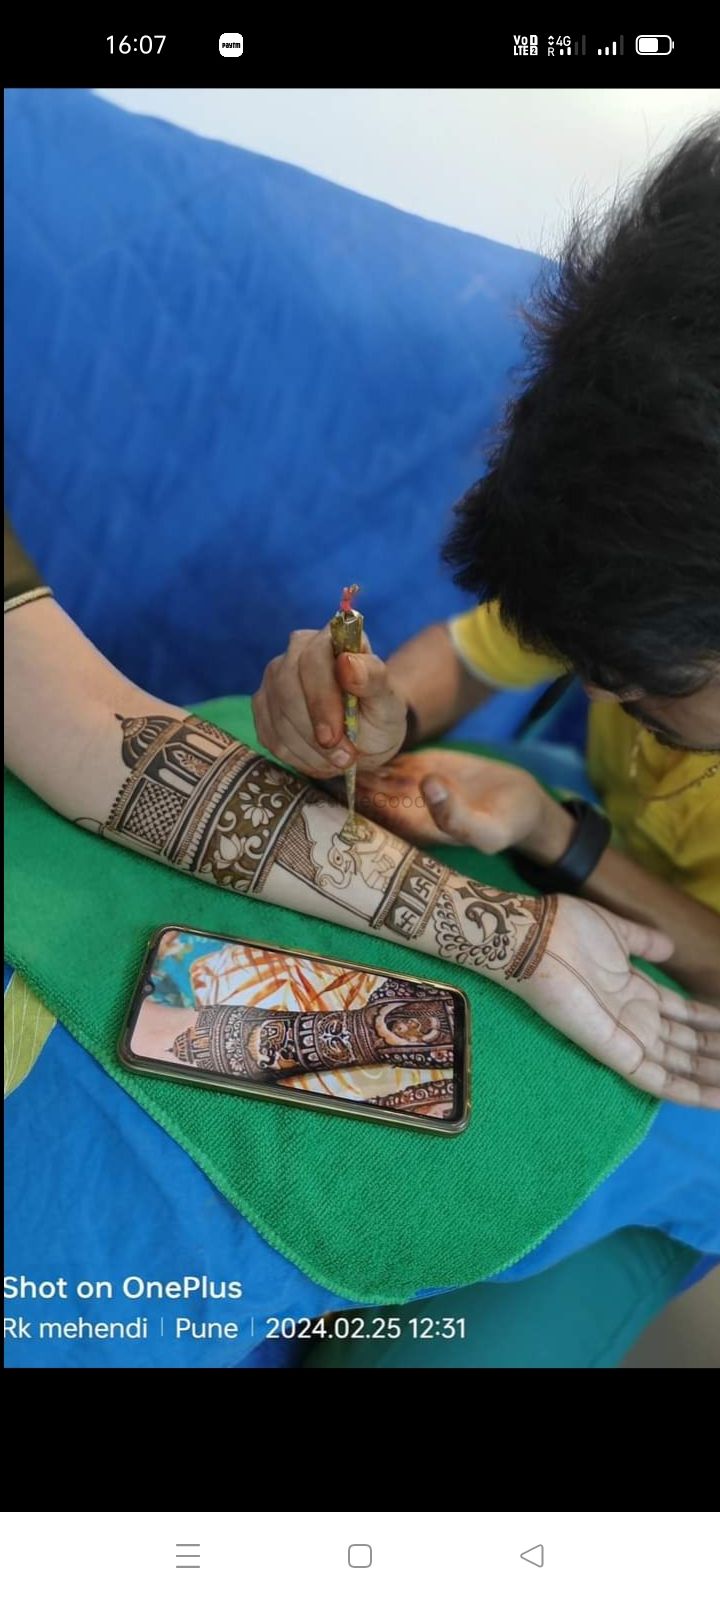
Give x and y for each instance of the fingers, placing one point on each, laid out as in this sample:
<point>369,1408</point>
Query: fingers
<point>664,1069</point>
<point>688,1063</point>
<point>401,807</point>
<point>300,712</point>
<point>315,667</point>
<point>691,1050</point>
<point>682,1063</point>
<point>465,824</point>
<point>700,1015</point>
<point>364,675</point>
<point>694,1040</point>
<point>382,713</point>
<point>666,1084</point>
<point>697,1012</point>
<point>279,735</point>
<point>317,679</point>
<point>683,1034</point>
<point>649,943</point>
<point>282,719</point>
<point>657,1040</point>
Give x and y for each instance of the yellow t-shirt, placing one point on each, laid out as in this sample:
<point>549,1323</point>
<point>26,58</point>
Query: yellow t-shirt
<point>677,838</point>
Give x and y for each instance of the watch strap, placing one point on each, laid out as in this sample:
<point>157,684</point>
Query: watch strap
<point>578,862</point>
<point>412,731</point>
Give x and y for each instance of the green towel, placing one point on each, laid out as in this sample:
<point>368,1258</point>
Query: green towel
<point>374,1213</point>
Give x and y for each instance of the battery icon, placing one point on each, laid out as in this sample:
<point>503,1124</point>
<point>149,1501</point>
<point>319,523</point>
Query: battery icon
<point>653,44</point>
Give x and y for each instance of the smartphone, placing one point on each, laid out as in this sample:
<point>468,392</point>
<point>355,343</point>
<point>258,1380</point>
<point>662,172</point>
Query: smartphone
<point>289,1025</point>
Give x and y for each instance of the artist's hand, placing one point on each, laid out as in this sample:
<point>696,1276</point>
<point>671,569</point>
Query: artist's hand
<point>439,796</point>
<point>586,986</point>
<point>299,707</point>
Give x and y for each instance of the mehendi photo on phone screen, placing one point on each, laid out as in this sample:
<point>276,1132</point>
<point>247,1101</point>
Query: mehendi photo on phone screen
<point>244,1017</point>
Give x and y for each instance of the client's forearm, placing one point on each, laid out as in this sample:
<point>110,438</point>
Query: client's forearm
<point>148,776</point>
<point>197,799</point>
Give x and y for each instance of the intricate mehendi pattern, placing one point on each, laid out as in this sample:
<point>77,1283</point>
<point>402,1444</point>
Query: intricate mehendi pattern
<point>202,801</point>
<point>256,1042</point>
<point>331,858</point>
<point>407,906</point>
<point>438,1096</point>
<point>514,930</point>
<point>208,805</point>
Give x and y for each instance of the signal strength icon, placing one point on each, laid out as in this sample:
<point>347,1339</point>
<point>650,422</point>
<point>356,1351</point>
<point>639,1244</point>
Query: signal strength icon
<point>566,46</point>
<point>612,49</point>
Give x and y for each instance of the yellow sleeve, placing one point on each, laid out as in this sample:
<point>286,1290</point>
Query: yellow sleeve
<point>490,651</point>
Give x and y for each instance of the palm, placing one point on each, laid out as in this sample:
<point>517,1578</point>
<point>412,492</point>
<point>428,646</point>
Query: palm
<point>586,986</point>
<point>493,791</point>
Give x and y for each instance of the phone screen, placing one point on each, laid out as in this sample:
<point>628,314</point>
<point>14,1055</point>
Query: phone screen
<point>270,1021</point>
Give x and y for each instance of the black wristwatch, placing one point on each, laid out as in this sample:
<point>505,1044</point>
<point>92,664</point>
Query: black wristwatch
<point>412,731</point>
<point>567,876</point>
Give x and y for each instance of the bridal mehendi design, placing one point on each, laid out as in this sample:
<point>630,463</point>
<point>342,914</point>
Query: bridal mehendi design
<point>438,1093</point>
<point>258,1043</point>
<point>330,859</point>
<point>198,799</point>
<point>406,907</point>
<point>314,849</point>
<point>235,846</point>
<point>513,929</point>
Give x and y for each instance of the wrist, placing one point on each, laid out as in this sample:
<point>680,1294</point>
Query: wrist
<point>503,935</point>
<point>568,872</point>
<point>531,912</point>
<point>411,735</point>
<point>551,834</point>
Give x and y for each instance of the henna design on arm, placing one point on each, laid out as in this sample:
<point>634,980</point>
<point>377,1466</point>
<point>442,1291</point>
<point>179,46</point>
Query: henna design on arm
<point>198,799</point>
<point>208,805</point>
<point>513,929</point>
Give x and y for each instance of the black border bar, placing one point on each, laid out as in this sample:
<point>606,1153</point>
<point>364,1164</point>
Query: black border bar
<point>360,49</point>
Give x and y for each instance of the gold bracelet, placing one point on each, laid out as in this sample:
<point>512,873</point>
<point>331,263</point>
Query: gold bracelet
<point>22,599</point>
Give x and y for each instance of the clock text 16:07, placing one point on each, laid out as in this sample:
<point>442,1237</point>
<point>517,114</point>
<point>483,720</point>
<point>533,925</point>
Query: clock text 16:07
<point>146,44</point>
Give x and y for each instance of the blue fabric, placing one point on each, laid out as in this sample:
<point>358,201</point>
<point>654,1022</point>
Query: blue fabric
<point>94,1189</point>
<point>233,387</point>
<point>702,1267</point>
<point>671,1182</point>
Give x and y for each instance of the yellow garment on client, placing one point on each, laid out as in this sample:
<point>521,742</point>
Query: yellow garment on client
<point>676,838</point>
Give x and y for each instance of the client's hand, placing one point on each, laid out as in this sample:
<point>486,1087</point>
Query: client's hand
<point>586,986</point>
<point>435,796</point>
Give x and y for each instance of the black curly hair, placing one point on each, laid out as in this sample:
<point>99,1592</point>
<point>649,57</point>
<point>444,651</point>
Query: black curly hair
<point>597,524</point>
